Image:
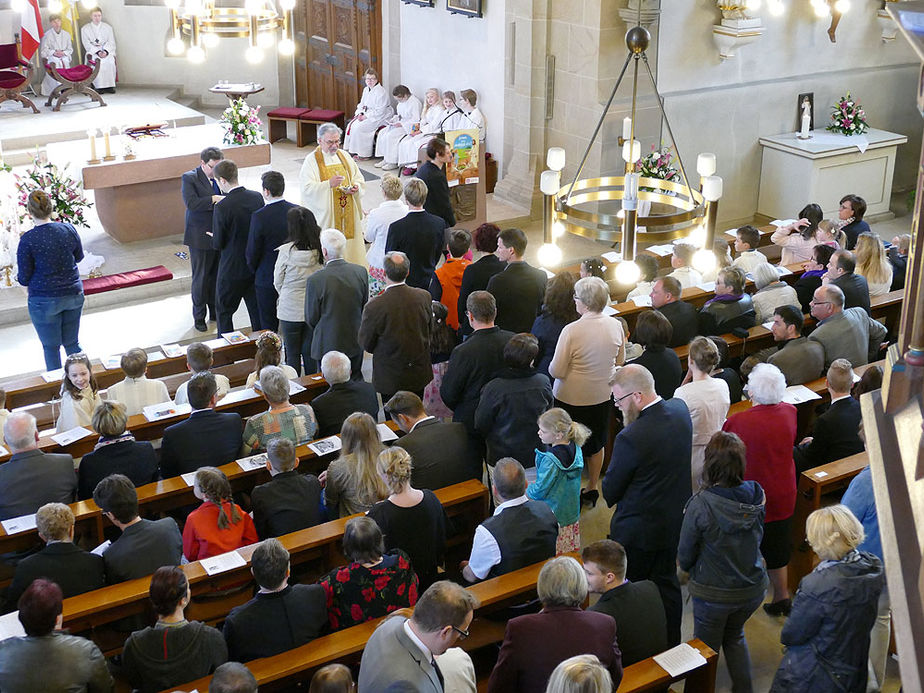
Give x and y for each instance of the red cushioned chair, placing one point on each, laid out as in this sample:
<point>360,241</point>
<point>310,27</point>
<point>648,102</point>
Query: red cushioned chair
<point>14,76</point>
<point>73,80</point>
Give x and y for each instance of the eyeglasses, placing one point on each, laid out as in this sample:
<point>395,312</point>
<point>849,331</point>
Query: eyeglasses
<point>462,633</point>
<point>813,302</point>
<point>620,399</point>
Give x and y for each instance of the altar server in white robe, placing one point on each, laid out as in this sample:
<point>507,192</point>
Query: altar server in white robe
<point>373,111</point>
<point>332,187</point>
<point>468,103</point>
<point>454,118</point>
<point>428,126</point>
<point>56,48</point>
<point>99,44</point>
<point>399,127</point>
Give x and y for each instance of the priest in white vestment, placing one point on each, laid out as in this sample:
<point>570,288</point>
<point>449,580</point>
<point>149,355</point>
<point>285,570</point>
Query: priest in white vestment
<point>426,129</point>
<point>373,111</point>
<point>399,127</point>
<point>56,48</point>
<point>332,187</point>
<point>99,44</point>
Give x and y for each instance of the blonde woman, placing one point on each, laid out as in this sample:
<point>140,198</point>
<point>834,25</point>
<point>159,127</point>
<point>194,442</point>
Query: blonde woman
<point>411,519</point>
<point>351,482</point>
<point>376,233</point>
<point>827,633</point>
<point>428,126</point>
<point>79,394</point>
<point>873,263</point>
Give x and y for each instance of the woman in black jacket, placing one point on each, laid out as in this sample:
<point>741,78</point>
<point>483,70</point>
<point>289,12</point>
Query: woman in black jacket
<point>653,331</point>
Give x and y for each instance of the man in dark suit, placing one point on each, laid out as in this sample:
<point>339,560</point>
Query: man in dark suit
<point>665,297</point>
<point>269,229</point>
<point>334,300</point>
<point>898,258</point>
<point>31,478</point>
<point>420,235</point>
<point>395,329</point>
<point>230,229</point>
<point>477,275</point>
<point>281,616</point>
<point>649,482</point>
<point>289,501</point>
<point>635,606</point>
<point>74,570</point>
<point>206,438</point>
<point>836,432</point>
<point>475,361</point>
<point>343,397</point>
<point>442,453</point>
<point>433,175</point>
<point>841,274</point>
<point>200,193</point>
<point>144,545</point>
<point>520,288</point>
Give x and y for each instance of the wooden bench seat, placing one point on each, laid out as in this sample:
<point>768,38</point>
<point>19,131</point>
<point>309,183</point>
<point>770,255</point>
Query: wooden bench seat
<point>314,552</point>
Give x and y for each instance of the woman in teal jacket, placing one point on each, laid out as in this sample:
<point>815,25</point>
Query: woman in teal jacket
<point>558,474</point>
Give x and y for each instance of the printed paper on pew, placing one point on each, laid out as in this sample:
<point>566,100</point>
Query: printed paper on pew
<point>609,310</point>
<point>223,563</point>
<point>239,395</point>
<point>101,549</point>
<point>165,410</point>
<point>3,451</point>
<point>111,363</point>
<point>22,523</point>
<point>782,222</point>
<point>235,337</point>
<point>253,462</point>
<point>189,478</point>
<point>156,356</point>
<point>661,250</point>
<point>295,388</point>
<point>612,257</point>
<point>706,286</point>
<point>782,270</point>
<point>796,394</point>
<point>173,350</point>
<point>732,232</point>
<point>679,660</point>
<point>215,343</point>
<point>385,433</point>
<point>768,325</point>
<point>10,627</point>
<point>67,437</point>
<point>325,446</point>
<point>53,376</point>
<point>641,301</point>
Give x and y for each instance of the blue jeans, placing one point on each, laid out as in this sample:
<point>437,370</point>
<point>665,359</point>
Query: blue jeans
<point>297,339</point>
<point>57,321</point>
<point>720,624</point>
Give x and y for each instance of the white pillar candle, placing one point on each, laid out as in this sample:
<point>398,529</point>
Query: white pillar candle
<point>91,134</point>
<point>626,128</point>
<point>106,141</point>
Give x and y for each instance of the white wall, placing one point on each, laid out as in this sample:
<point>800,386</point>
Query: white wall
<point>453,52</point>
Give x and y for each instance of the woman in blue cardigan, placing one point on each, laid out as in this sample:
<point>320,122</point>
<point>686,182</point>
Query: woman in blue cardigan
<point>47,259</point>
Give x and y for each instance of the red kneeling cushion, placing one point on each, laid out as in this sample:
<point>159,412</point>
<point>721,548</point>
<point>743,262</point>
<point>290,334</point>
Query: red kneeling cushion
<point>320,114</point>
<point>78,73</point>
<point>287,113</point>
<point>10,79</point>
<point>122,280</point>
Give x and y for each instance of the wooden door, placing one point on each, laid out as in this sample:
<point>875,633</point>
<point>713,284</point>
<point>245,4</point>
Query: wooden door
<point>336,41</point>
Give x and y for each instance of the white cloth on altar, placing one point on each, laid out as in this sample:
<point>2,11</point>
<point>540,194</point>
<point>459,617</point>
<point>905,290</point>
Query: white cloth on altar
<point>399,127</point>
<point>376,107</point>
<point>96,38</point>
<point>429,127</point>
<point>318,196</point>
<point>54,41</point>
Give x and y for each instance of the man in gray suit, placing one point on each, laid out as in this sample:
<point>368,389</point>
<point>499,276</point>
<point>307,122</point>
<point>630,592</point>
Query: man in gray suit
<point>845,334</point>
<point>334,300</point>
<point>400,654</point>
<point>31,477</point>
<point>800,359</point>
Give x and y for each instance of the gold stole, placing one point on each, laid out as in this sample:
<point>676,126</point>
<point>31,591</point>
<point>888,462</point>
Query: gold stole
<point>342,202</point>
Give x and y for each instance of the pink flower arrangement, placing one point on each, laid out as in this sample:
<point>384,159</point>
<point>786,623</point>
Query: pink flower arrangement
<point>242,123</point>
<point>68,202</point>
<point>658,164</point>
<point>848,117</point>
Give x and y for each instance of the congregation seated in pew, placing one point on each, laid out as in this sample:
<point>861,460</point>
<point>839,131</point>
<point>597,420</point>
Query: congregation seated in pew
<point>218,525</point>
<point>136,391</point>
<point>79,394</point>
<point>199,359</point>
<point>351,482</point>
<point>269,353</point>
<point>283,419</point>
<point>344,395</point>
<point>289,501</point>
<point>800,359</point>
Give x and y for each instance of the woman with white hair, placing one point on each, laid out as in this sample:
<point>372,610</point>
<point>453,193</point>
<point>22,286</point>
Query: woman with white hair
<point>376,233</point>
<point>586,356</point>
<point>282,420</point>
<point>535,644</point>
<point>768,430</point>
<point>827,633</point>
<point>580,674</point>
<point>771,292</point>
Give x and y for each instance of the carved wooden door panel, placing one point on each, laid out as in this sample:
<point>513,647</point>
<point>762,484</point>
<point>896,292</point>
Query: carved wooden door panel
<point>337,40</point>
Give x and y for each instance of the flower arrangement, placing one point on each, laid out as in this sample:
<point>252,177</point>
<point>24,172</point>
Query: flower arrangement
<point>848,117</point>
<point>242,123</point>
<point>658,164</point>
<point>67,199</point>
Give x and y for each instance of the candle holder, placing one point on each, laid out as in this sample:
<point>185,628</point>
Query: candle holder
<point>128,157</point>
<point>92,162</point>
<point>7,275</point>
<point>111,157</point>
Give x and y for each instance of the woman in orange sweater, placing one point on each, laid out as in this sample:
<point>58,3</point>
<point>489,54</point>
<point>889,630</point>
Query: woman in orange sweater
<point>218,525</point>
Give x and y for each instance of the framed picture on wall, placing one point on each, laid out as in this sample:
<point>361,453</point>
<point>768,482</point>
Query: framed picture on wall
<point>422,3</point>
<point>470,8</point>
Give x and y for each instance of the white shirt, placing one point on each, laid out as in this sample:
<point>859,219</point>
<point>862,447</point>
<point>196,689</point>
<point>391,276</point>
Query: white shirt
<point>485,551</point>
<point>687,276</point>
<point>418,643</point>
<point>137,393</point>
<point>224,385</point>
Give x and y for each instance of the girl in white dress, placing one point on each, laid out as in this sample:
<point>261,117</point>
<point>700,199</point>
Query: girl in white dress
<point>374,110</point>
<point>399,127</point>
<point>453,116</point>
<point>79,394</point>
<point>376,233</point>
<point>426,129</point>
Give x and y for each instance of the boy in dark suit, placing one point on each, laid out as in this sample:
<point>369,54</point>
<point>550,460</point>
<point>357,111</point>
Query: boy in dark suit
<point>420,235</point>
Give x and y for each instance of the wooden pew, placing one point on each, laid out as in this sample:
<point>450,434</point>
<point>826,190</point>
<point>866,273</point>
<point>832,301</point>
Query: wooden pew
<point>313,551</point>
<point>22,391</point>
<point>648,675</point>
<point>143,429</point>
<point>816,488</point>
